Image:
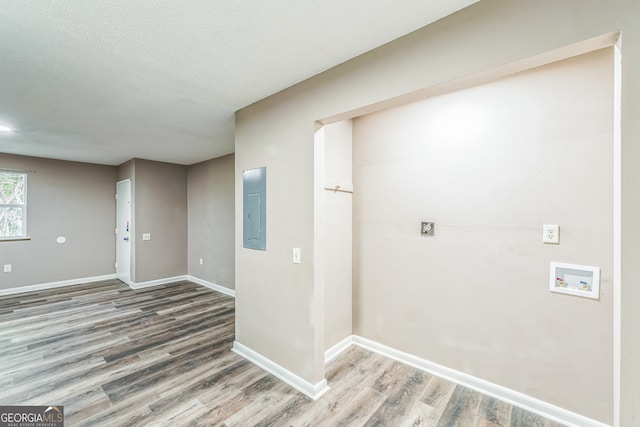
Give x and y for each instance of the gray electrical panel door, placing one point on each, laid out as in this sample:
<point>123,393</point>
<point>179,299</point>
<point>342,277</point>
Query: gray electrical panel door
<point>254,218</point>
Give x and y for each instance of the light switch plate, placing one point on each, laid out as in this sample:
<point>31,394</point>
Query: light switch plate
<point>146,236</point>
<point>551,233</point>
<point>7,268</point>
<point>296,255</point>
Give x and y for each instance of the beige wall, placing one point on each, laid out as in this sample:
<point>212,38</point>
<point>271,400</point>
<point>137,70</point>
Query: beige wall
<point>275,299</point>
<point>76,200</point>
<point>70,199</point>
<point>127,170</point>
<point>160,208</point>
<point>210,221</point>
<point>337,217</point>
<point>490,165</point>
<point>278,132</point>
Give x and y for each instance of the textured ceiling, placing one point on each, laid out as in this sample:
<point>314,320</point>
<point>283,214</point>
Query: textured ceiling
<point>107,81</point>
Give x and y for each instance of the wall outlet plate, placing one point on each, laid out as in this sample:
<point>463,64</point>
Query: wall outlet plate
<point>428,228</point>
<point>7,268</point>
<point>551,234</point>
<point>146,236</point>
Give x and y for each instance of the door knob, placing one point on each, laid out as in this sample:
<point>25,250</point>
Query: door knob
<point>126,239</point>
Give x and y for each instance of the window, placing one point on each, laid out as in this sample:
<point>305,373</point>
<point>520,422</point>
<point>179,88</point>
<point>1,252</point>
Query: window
<point>13,205</point>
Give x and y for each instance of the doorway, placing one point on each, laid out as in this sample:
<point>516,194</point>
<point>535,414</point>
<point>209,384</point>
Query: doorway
<point>123,230</point>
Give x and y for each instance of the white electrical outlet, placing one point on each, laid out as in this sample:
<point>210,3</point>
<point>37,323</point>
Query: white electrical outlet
<point>146,236</point>
<point>7,268</point>
<point>296,255</point>
<point>201,261</point>
<point>551,233</point>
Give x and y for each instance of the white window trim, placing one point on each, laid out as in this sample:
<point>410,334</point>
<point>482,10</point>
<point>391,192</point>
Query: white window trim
<point>24,235</point>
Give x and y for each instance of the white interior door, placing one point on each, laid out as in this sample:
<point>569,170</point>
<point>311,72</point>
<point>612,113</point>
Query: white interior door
<point>123,227</point>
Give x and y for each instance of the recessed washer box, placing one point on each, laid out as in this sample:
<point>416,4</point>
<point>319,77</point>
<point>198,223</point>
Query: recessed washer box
<point>573,279</point>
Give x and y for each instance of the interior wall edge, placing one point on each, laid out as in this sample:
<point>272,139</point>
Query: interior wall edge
<point>335,351</point>
<point>213,286</point>
<point>313,391</point>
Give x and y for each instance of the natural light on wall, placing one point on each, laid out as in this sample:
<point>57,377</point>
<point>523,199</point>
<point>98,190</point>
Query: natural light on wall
<point>458,121</point>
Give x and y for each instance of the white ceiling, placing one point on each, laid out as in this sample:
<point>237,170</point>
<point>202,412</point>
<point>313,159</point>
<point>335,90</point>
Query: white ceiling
<point>106,81</point>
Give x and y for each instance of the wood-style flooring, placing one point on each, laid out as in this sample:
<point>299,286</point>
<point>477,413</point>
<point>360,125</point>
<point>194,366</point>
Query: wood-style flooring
<point>114,356</point>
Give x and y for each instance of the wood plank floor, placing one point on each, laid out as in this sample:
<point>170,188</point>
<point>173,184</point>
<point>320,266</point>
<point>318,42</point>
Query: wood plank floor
<point>114,356</point>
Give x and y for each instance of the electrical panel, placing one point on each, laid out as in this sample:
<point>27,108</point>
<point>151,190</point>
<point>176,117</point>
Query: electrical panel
<point>254,217</point>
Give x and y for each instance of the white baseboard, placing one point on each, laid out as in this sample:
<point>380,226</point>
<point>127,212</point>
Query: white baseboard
<point>314,391</point>
<point>157,282</point>
<point>335,351</point>
<point>53,285</point>
<point>126,281</point>
<point>193,279</point>
<point>213,286</point>
<point>513,397</point>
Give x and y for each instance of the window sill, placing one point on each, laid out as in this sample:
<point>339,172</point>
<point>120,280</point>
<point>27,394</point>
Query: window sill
<point>14,239</point>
